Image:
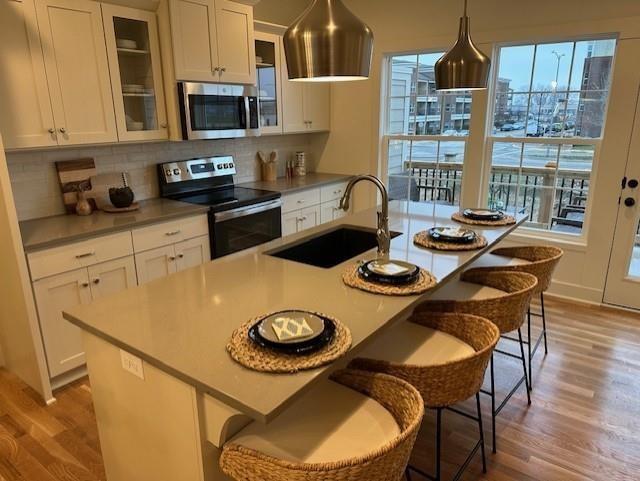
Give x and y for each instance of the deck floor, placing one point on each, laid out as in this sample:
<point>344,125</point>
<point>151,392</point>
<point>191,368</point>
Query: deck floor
<point>584,423</point>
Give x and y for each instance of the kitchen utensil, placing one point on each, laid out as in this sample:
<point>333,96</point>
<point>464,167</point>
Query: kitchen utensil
<point>452,234</point>
<point>483,214</point>
<point>393,272</point>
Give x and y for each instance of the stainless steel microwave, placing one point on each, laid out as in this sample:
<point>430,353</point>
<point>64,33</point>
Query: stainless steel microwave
<point>218,111</point>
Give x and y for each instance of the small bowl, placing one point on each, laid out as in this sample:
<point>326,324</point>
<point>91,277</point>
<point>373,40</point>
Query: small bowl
<point>126,43</point>
<point>121,197</point>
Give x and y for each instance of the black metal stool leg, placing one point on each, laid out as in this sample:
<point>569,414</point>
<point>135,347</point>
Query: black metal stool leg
<point>529,347</point>
<point>544,323</point>
<point>493,406</point>
<point>524,366</point>
<point>407,474</point>
<point>484,457</point>
<point>438,442</point>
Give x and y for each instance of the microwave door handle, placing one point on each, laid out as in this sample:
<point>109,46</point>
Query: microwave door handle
<point>244,112</point>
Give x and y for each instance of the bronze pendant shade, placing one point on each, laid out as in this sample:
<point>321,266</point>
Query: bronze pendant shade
<point>464,66</point>
<point>328,43</point>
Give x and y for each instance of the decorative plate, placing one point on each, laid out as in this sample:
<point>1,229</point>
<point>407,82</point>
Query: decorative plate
<point>483,214</point>
<point>389,272</point>
<point>452,234</point>
<point>321,332</point>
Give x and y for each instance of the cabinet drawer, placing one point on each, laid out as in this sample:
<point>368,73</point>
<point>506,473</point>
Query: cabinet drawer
<point>80,254</point>
<point>300,200</point>
<point>169,232</point>
<point>333,191</point>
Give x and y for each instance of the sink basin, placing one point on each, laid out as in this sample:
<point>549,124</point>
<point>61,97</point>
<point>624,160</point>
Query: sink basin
<point>330,248</point>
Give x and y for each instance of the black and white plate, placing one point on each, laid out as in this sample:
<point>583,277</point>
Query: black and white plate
<point>391,272</point>
<point>323,330</point>
<point>483,214</point>
<point>452,234</point>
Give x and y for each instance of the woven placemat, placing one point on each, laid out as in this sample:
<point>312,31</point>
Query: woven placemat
<point>506,220</point>
<point>423,239</point>
<point>246,352</point>
<point>425,282</point>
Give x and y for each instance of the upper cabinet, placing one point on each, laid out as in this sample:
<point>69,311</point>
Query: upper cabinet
<point>26,117</point>
<point>77,71</point>
<point>305,105</point>
<point>212,41</point>
<point>268,63</point>
<point>136,76</point>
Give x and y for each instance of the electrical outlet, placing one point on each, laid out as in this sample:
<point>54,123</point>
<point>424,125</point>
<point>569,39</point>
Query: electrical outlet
<point>132,364</point>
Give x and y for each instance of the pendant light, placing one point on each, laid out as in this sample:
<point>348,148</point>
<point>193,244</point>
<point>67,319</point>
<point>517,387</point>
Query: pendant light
<point>464,66</point>
<point>328,43</point>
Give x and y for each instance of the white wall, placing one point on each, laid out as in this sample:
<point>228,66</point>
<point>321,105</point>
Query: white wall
<point>409,25</point>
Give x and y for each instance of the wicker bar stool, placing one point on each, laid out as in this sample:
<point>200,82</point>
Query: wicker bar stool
<point>503,298</point>
<point>541,261</point>
<point>360,426</point>
<point>445,357</point>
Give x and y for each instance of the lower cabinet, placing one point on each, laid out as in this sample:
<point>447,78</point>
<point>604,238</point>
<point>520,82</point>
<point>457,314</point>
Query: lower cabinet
<point>299,220</point>
<point>62,340</point>
<point>157,263</point>
<point>331,211</point>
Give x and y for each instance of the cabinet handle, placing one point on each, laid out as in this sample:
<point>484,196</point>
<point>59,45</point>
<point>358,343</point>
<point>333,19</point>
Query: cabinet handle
<point>180,256</point>
<point>171,258</point>
<point>223,69</point>
<point>96,280</point>
<point>85,255</point>
<point>52,130</point>
<point>163,126</point>
<point>62,130</point>
<point>172,233</point>
<point>301,201</point>
<point>84,284</point>
<point>216,70</point>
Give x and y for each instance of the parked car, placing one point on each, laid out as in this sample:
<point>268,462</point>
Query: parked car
<point>507,128</point>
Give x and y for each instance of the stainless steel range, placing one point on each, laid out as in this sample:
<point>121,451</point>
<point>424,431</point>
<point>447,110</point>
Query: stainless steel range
<point>239,218</point>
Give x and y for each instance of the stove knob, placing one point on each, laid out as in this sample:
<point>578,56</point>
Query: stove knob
<point>168,173</point>
<point>226,166</point>
<point>231,165</point>
<point>176,171</point>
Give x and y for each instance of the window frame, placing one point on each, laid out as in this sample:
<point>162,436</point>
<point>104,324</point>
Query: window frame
<point>490,140</point>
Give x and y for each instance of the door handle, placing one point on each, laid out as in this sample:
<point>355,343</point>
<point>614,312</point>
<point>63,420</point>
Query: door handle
<point>629,202</point>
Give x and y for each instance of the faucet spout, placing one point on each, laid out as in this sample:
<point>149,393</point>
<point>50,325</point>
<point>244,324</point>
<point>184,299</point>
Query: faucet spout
<point>382,233</point>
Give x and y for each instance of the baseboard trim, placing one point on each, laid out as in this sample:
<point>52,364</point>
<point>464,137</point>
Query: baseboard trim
<point>576,292</point>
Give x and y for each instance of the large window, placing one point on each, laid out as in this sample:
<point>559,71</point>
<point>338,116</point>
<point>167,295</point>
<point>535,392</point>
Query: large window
<point>548,118</point>
<point>425,132</point>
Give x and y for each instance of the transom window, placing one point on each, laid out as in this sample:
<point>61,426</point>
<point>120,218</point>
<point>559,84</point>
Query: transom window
<point>548,118</point>
<point>425,132</point>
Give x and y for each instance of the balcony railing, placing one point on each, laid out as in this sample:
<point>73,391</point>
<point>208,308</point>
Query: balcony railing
<point>552,200</point>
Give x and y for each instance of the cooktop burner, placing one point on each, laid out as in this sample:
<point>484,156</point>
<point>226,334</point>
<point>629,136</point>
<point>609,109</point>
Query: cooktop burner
<point>230,197</point>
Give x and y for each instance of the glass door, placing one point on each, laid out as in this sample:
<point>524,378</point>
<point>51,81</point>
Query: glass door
<point>268,79</point>
<point>623,278</point>
<point>136,79</point>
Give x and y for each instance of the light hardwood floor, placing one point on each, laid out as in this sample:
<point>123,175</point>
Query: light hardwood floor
<point>584,423</point>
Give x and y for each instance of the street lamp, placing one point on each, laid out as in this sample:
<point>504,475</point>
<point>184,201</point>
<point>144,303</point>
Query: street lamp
<point>554,83</point>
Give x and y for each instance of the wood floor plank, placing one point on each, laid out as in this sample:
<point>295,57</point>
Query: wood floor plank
<point>583,425</point>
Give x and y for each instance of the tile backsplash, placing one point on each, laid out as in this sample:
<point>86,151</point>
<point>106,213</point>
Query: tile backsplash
<point>35,182</point>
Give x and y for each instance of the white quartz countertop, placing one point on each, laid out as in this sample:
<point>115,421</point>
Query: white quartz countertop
<point>181,324</point>
<point>295,184</point>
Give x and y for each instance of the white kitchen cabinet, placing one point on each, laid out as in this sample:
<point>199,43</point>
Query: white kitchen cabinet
<point>62,340</point>
<point>155,264</point>
<point>192,252</point>
<point>112,277</point>
<point>26,116</point>
<point>306,107</point>
<point>77,71</point>
<point>290,222</point>
<point>331,211</point>
<point>133,50</point>
<point>268,50</point>
<point>212,41</point>
<point>309,217</point>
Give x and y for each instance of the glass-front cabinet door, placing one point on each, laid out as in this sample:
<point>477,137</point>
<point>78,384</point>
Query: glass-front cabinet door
<point>268,79</point>
<point>136,77</point>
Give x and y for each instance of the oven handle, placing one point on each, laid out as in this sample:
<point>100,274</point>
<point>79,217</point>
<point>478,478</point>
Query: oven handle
<point>244,211</point>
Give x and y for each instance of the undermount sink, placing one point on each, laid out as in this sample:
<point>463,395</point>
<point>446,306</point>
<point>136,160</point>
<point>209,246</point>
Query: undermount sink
<point>330,248</point>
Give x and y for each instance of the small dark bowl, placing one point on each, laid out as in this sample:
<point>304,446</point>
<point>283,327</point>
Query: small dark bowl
<point>121,197</point>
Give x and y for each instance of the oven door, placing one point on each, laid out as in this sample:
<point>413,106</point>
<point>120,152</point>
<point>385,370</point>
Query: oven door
<point>213,111</point>
<point>239,229</point>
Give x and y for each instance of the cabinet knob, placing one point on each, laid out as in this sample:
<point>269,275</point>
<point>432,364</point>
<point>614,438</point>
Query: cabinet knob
<point>223,69</point>
<point>62,130</point>
<point>96,280</point>
<point>84,284</point>
<point>52,130</point>
<point>163,126</point>
<point>180,256</point>
<point>216,69</point>
<point>172,258</point>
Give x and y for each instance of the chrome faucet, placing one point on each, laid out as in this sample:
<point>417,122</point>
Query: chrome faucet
<point>382,233</point>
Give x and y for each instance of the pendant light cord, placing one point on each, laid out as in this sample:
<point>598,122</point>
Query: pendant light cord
<point>465,8</point>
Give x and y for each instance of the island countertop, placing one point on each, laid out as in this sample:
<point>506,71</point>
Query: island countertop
<point>181,324</point>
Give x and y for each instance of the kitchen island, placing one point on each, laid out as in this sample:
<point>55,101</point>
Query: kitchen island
<point>182,395</point>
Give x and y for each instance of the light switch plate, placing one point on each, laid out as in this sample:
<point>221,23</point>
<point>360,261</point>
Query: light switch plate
<point>132,364</point>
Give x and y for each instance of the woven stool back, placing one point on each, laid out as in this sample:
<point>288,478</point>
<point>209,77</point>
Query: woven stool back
<point>505,311</point>
<point>449,383</point>
<point>542,262</point>
<point>385,464</point>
